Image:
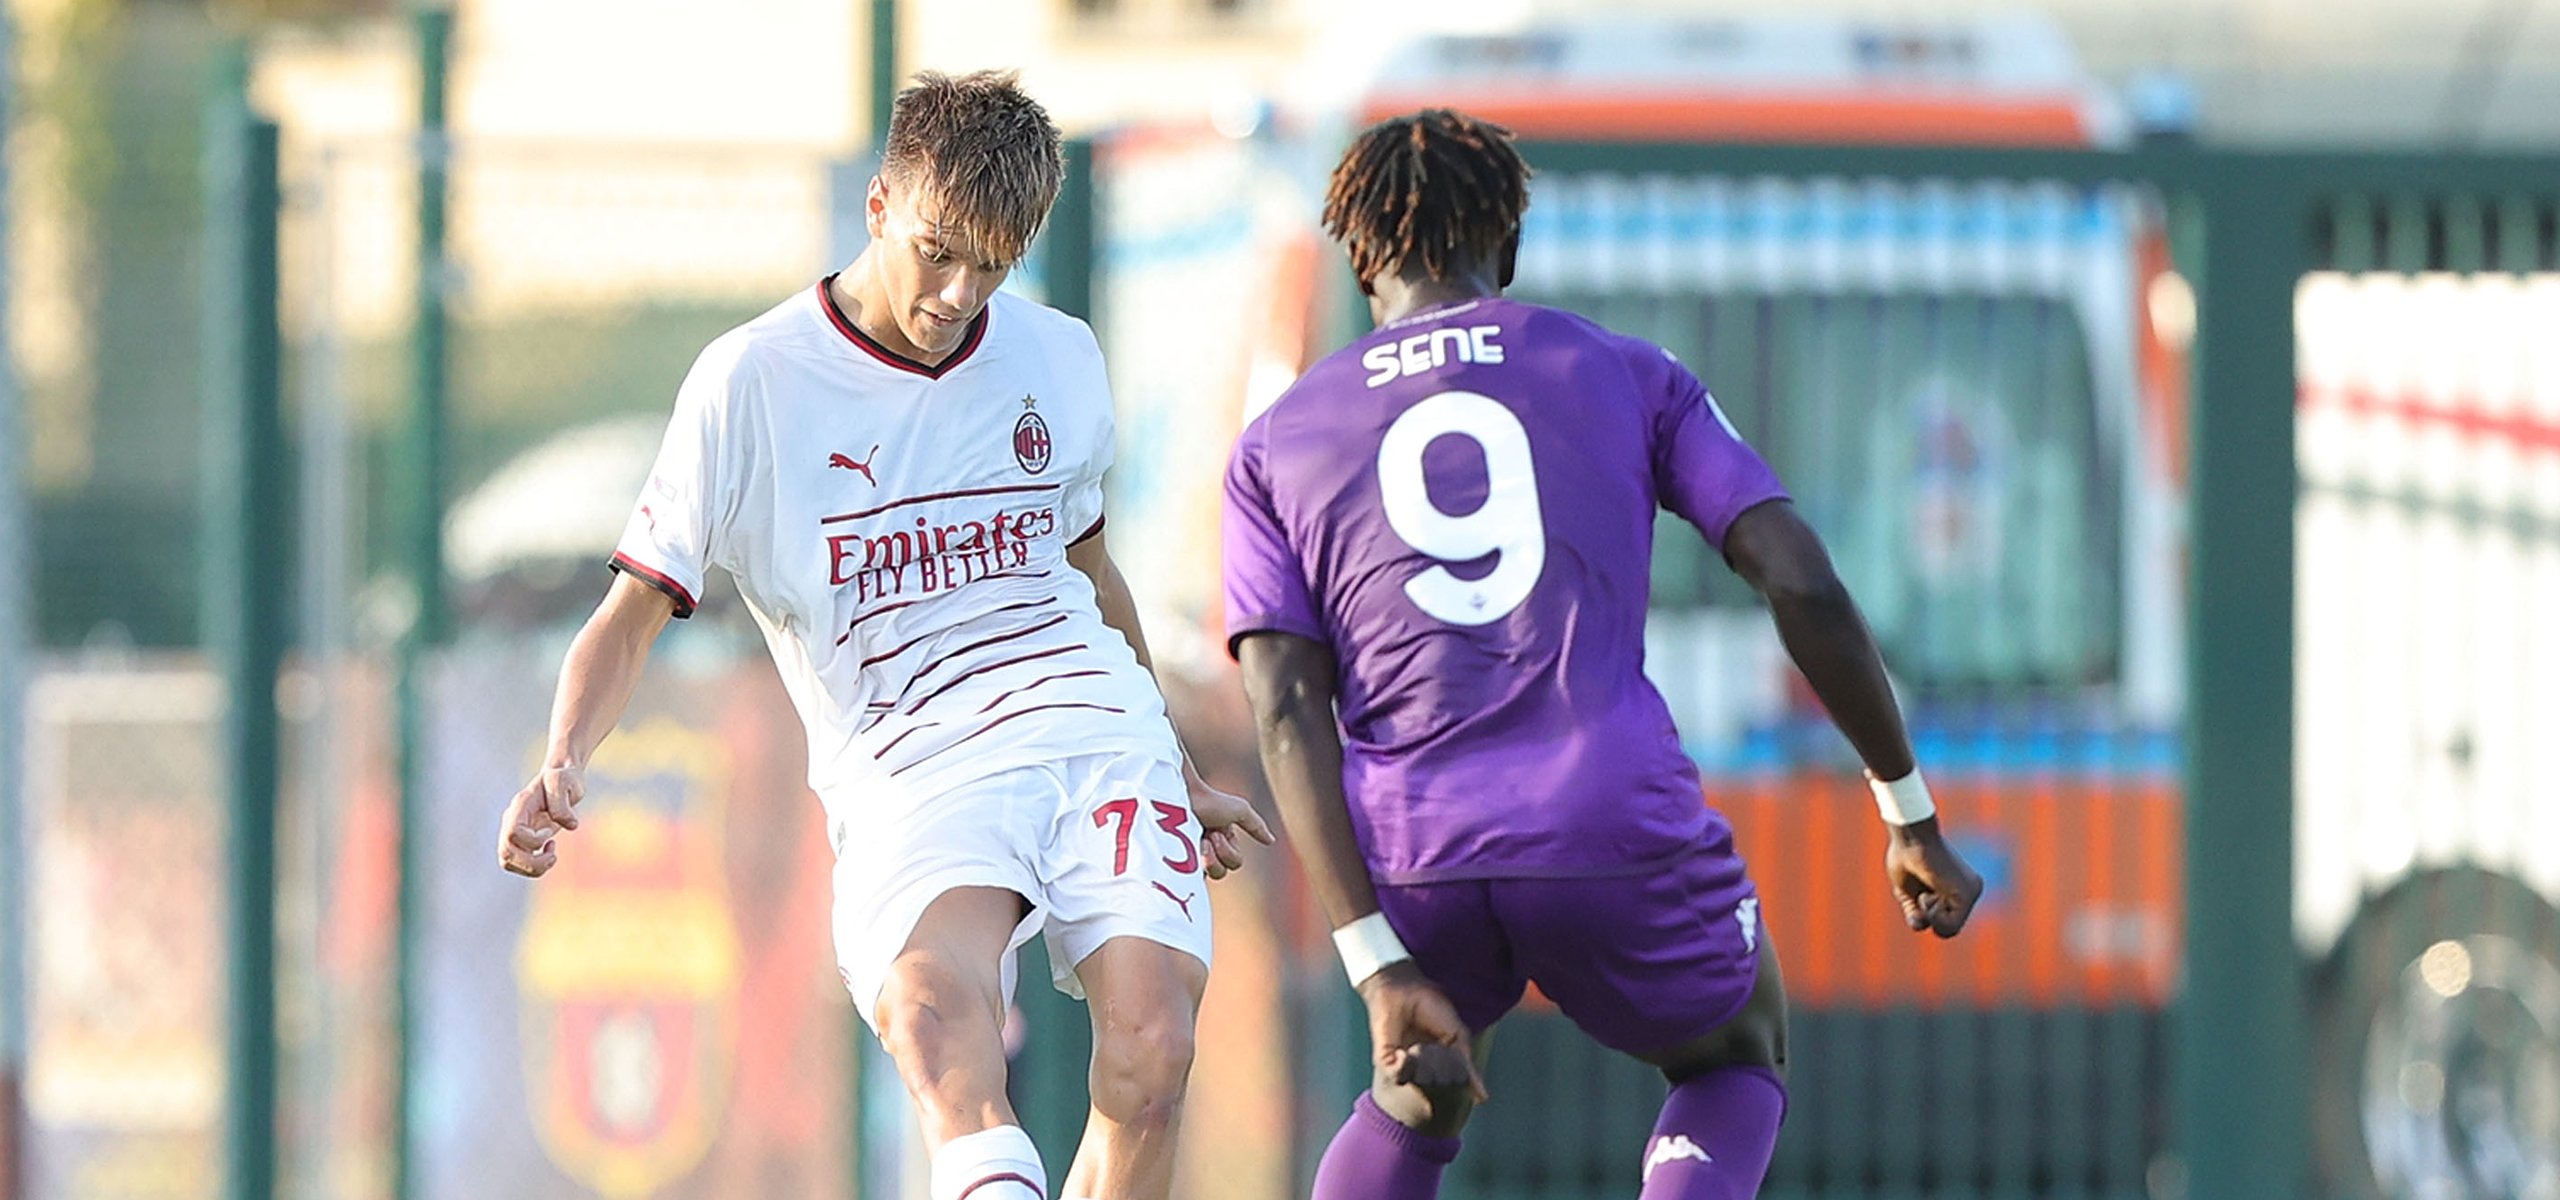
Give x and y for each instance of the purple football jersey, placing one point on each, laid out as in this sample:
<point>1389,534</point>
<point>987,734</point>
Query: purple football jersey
<point>1461,505</point>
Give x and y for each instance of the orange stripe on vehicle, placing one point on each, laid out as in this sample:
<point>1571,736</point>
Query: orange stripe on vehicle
<point>1891,118</point>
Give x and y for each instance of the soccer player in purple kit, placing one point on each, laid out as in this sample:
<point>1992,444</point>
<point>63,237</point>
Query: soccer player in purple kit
<point>1438,548</point>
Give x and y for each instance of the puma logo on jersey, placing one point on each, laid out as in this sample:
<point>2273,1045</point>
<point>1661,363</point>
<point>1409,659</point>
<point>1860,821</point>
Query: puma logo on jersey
<point>838,460</point>
<point>1673,1149</point>
<point>1184,902</point>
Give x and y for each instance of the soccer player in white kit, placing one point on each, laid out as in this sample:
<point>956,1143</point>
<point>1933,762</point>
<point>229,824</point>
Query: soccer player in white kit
<point>901,468</point>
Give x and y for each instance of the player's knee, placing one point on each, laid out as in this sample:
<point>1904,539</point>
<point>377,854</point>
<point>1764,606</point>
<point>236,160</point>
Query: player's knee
<point>924,1016</point>
<point>1141,1066</point>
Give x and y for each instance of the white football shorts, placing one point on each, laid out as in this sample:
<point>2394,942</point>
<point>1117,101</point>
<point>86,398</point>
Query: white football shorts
<point>1103,846</point>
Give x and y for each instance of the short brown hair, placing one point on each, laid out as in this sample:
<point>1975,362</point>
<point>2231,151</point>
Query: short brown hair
<point>983,149</point>
<point>1419,191</point>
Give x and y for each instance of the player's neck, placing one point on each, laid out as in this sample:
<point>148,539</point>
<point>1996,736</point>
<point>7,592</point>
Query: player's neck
<point>858,294</point>
<point>1392,300</point>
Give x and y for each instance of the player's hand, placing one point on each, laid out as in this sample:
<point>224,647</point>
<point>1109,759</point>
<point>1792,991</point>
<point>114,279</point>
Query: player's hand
<point>1415,1034</point>
<point>1935,887</point>
<point>1221,817</point>
<point>545,808</point>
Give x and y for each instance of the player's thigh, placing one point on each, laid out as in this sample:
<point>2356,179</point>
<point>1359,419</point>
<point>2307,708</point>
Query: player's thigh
<point>1756,1036</point>
<point>947,887</point>
<point>959,942</point>
<point>1642,961</point>
<point>1123,860</point>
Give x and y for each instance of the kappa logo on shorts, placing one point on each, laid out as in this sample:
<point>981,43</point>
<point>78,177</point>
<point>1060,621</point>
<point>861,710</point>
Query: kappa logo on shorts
<point>1672,1149</point>
<point>1748,912</point>
<point>1184,902</point>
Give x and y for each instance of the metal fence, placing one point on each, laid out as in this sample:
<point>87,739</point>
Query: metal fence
<point>2246,754</point>
<point>2429,571</point>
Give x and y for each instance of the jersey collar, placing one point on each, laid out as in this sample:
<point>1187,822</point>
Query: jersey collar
<point>968,344</point>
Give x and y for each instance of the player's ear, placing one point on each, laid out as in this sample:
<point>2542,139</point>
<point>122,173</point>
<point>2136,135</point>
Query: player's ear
<point>1509,259</point>
<point>875,208</point>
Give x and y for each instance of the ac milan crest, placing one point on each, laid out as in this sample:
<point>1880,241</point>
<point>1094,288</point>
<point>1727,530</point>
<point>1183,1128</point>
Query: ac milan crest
<point>1031,440</point>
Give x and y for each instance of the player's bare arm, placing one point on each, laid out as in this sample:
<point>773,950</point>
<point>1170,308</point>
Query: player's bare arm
<point>1289,681</point>
<point>596,681</point>
<point>1221,815</point>
<point>1782,558</point>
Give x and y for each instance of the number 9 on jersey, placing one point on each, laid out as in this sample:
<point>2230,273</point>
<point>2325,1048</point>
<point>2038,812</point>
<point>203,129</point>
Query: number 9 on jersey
<point>1508,523</point>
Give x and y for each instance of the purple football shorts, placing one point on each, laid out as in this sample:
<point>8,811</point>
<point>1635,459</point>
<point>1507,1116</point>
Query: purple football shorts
<point>1641,962</point>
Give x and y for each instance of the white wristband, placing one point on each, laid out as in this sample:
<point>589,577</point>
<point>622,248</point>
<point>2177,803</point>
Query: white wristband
<point>1903,801</point>
<point>1368,946</point>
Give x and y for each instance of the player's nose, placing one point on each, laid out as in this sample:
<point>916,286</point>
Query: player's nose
<point>967,290</point>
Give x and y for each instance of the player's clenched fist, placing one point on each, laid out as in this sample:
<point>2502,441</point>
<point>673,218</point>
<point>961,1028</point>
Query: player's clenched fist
<point>541,811</point>
<point>1935,887</point>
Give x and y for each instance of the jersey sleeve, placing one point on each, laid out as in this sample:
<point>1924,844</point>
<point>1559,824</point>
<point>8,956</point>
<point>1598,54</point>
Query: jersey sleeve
<point>1266,588</point>
<point>1702,469</point>
<point>1080,507</point>
<point>678,527</point>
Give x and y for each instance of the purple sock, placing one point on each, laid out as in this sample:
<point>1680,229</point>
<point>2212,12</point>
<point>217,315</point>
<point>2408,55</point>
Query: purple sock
<point>1715,1135</point>
<point>1377,1158</point>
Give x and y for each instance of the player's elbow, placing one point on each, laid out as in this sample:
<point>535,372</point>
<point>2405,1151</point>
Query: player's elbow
<point>1283,708</point>
<point>1810,589</point>
<point>1288,686</point>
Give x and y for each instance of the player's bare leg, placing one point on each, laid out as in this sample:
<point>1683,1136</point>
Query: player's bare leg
<point>941,1017</point>
<point>1145,999</point>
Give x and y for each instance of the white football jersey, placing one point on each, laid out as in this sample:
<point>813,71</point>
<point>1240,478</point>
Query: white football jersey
<point>900,533</point>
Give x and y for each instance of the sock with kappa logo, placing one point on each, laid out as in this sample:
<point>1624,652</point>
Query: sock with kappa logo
<point>991,1164</point>
<point>1715,1136</point>
<point>1374,1157</point>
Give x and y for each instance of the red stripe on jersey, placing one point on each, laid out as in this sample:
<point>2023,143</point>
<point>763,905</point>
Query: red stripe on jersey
<point>981,644</point>
<point>1021,712</point>
<point>1037,682</point>
<point>918,640</point>
<point>656,579</point>
<point>847,635</point>
<point>964,676</point>
<point>961,494</point>
<point>835,316</point>
<point>1007,1177</point>
<point>1087,535</point>
<point>883,752</point>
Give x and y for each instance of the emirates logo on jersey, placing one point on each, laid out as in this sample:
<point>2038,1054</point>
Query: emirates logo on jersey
<point>1031,439</point>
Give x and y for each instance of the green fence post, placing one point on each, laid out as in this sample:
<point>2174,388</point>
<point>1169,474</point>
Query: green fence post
<point>862,1048</point>
<point>884,70</point>
<point>423,451</point>
<point>1068,263</point>
<point>245,535</point>
<point>17,556</point>
<point>2240,1082</point>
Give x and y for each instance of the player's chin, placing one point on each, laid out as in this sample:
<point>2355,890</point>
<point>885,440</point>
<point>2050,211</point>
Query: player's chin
<point>933,333</point>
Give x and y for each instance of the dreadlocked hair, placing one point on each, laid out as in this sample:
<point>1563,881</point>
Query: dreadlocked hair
<point>1430,190</point>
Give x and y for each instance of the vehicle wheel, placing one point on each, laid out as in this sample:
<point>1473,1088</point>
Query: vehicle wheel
<point>2436,1045</point>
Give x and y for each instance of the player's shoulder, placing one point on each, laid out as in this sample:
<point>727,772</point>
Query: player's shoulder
<point>790,329</point>
<point>1015,317</point>
<point>1566,325</point>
